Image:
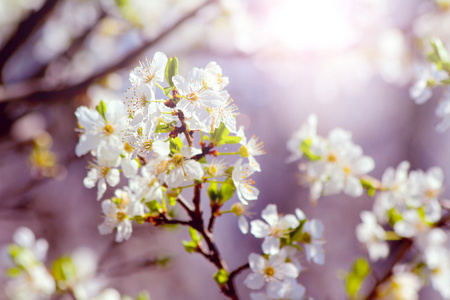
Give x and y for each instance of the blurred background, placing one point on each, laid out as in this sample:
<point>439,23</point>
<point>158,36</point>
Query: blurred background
<point>351,62</point>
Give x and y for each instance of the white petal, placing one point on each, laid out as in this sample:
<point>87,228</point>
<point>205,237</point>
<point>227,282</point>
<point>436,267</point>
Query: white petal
<point>101,185</point>
<point>193,169</point>
<point>254,281</point>
<point>288,270</point>
<point>270,214</point>
<point>257,262</point>
<point>271,245</point>
<point>243,224</point>
<point>161,147</point>
<point>259,229</point>
<point>113,177</point>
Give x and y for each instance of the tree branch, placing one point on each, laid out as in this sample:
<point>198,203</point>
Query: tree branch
<point>43,90</point>
<point>24,31</point>
<point>404,247</point>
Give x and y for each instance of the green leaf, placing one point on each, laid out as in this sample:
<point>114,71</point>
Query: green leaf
<point>355,278</point>
<point>361,267</point>
<point>101,108</point>
<point>167,90</point>
<point>297,234</point>
<point>153,206</point>
<point>13,272</point>
<point>63,269</point>
<point>220,136</point>
<point>221,277</point>
<point>226,192</point>
<point>305,147</point>
<point>172,201</point>
<point>394,216</point>
<point>165,127</point>
<point>213,192</point>
<point>171,70</point>
<point>175,145</point>
<point>190,246</point>
<point>195,236</point>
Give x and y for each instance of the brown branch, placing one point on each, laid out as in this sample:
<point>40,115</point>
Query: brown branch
<point>404,248</point>
<point>184,129</point>
<point>42,90</point>
<point>187,207</point>
<point>215,208</point>
<point>24,31</point>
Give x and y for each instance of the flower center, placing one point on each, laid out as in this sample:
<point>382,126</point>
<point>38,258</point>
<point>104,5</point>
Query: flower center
<point>269,272</point>
<point>192,97</point>
<point>108,129</point>
<point>332,158</point>
<point>347,170</point>
<point>177,160</point>
<point>127,147</point>
<point>121,216</point>
<point>148,145</point>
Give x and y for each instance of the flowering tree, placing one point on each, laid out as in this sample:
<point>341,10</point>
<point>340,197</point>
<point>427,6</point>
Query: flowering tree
<point>169,154</point>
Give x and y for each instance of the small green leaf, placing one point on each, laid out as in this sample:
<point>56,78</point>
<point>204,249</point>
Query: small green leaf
<point>171,70</point>
<point>165,127</point>
<point>361,267</point>
<point>190,246</point>
<point>213,192</point>
<point>226,192</point>
<point>63,269</point>
<point>153,206</point>
<point>297,233</point>
<point>13,272</point>
<point>355,278</point>
<point>220,136</point>
<point>394,216</point>
<point>172,201</point>
<point>305,147</point>
<point>167,90</point>
<point>175,145</point>
<point>195,236</point>
<point>221,277</point>
<point>101,108</point>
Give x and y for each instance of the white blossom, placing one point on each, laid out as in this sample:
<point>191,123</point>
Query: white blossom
<point>241,179</point>
<point>273,270</point>
<point>274,229</point>
<point>373,236</point>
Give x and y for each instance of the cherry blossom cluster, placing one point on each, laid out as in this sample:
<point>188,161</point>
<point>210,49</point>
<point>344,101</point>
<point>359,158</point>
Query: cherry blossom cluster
<point>409,203</point>
<point>279,266</point>
<point>434,75</point>
<point>29,278</point>
<point>150,137</point>
<point>333,164</point>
